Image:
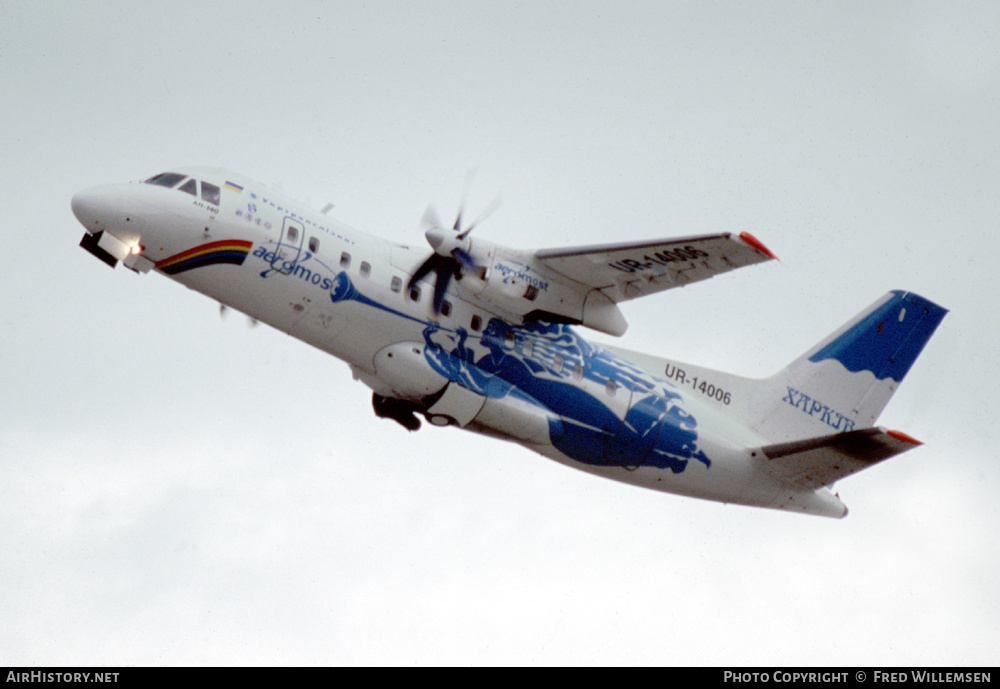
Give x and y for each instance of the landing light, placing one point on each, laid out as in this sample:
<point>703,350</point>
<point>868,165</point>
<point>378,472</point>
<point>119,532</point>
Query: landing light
<point>136,261</point>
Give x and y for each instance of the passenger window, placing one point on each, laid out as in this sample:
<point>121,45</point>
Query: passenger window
<point>396,284</point>
<point>313,244</point>
<point>345,260</point>
<point>190,186</point>
<point>558,362</point>
<point>477,323</point>
<point>446,308</point>
<point>531,293</point>
<point>612,387</point>
<point>293,235</point>
<point>210,193</point>
<point>578,371</point>
<point>366,269</point>
<point>528,347</point>
<point>509,339</point>
<point>165,179</point>
<point>415,293</point>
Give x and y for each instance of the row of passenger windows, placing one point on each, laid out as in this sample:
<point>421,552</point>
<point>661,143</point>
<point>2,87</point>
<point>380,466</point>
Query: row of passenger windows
<point>209,192</point>
<point>365,270</point>
<point>396,285</point>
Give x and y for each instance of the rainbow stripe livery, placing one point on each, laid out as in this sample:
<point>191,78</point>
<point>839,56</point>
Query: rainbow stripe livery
<point>232,251</point>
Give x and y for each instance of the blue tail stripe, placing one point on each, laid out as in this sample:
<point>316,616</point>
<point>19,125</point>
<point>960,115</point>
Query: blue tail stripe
<point>887,340</point>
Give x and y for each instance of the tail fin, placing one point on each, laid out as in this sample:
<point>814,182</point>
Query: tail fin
<point>845,381</point>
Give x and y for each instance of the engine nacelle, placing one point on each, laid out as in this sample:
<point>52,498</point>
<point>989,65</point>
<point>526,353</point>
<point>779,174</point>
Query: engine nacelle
<point>402,372</point>
<point>517,284</point>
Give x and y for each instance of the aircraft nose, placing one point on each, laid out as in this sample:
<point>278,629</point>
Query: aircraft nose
<point>94,207</point>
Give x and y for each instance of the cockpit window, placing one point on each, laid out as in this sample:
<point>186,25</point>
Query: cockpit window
<point>165,179</point>
<point>210,193</point>
<point>190,187</point>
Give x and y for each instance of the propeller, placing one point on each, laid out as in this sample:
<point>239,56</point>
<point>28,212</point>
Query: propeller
<point>224,313</point>
<point>452,247</point>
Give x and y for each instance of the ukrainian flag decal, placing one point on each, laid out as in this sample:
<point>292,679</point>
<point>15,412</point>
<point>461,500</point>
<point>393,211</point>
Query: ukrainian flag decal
<point>227,251</point>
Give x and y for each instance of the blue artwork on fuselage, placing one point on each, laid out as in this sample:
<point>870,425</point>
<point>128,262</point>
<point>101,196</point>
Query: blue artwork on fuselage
<point>545,364</point>
<point>656,431</point>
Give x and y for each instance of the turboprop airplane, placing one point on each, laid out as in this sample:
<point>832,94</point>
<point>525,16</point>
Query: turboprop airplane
<point>481,336</point>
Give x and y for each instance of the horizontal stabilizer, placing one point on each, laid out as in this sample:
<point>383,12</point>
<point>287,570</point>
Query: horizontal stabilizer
<point>817,462</point>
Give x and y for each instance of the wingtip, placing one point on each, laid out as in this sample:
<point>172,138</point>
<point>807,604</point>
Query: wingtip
<point>758,245</point>
<point>899,435</point>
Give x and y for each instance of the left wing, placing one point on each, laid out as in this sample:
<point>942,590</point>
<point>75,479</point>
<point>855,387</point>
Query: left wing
<point>628,271</point>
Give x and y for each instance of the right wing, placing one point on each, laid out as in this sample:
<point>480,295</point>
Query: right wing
<point>628,271</point>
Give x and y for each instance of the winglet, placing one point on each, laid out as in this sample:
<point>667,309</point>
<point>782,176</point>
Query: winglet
<point>758,245</point>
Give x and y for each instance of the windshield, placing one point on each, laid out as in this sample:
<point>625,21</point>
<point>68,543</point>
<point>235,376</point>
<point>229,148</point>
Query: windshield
<point>165,179</point>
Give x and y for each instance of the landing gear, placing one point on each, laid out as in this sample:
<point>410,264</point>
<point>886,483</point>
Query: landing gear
<point>92,243</point>
<point>400,411</point>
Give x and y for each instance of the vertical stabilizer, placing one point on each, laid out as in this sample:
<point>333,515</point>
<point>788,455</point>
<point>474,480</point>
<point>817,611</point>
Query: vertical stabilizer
<point>845,381</point>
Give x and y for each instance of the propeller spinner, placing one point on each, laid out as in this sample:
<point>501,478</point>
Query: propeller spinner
<point>452,248</point>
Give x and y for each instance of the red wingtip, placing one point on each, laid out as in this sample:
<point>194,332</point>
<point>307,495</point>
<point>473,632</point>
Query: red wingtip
<point>757,244</point>
<point>898,435</point>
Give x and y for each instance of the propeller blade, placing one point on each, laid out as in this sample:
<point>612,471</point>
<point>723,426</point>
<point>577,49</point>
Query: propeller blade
<point>431,219</point>
<point>490,210</point>
<point>469,177</point>
<point>224,312</point>
<point>465,258</point>
<point>440,287</point>
<point>425,267</point>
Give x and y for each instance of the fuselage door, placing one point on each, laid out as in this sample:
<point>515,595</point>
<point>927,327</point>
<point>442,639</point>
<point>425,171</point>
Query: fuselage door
<point>289,245</point>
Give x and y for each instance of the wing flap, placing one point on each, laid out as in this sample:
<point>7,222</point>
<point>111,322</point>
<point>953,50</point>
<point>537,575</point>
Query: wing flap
<point>628,271</point>
<point>817,462</point>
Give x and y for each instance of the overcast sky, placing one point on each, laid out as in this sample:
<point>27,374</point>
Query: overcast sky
<point>178,489</point>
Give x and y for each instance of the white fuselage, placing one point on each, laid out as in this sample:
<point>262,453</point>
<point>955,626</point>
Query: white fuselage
<point>345,292</point>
